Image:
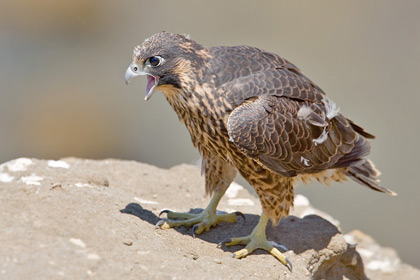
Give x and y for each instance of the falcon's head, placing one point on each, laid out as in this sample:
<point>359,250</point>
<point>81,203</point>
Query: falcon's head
<point>167,60</point>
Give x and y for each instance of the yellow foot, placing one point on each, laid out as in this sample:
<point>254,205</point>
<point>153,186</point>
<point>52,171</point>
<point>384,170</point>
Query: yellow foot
<point>200,222</point>
<point>257,240</point>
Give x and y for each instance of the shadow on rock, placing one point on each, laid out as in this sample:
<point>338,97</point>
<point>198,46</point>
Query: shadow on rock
<point>312,237</point>
<point>297,234</point>
<point>302,234</point>
<point>216,235</point>
<point>136,210</point>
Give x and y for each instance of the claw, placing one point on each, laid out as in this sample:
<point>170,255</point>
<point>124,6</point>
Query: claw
<point>289,265</point>
<point>164,211</point>
<point>193,229</point>
<point>240,214</point>
<point>159,223</point>
<point>227,240</point>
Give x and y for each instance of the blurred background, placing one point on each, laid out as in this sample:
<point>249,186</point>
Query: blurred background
<point>62,91</point>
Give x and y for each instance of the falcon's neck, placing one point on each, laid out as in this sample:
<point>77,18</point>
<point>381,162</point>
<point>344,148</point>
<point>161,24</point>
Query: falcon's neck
<point>194,98</point>
<point>186,103</point>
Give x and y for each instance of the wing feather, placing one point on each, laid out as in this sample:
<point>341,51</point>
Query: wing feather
<point>264,93</point>
<point>269,130</point>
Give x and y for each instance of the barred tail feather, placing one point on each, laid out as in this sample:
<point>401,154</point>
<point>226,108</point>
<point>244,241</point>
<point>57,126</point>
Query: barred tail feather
<point>366,174</point>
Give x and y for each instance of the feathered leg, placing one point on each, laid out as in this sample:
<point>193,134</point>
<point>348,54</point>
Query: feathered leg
<point>219,175</point>
<point>276,196</point>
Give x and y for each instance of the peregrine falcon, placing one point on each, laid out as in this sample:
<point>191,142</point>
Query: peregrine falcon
<point>251,111</point>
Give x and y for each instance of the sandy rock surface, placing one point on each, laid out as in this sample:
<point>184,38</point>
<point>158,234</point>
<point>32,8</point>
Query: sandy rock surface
<point>82,219</point>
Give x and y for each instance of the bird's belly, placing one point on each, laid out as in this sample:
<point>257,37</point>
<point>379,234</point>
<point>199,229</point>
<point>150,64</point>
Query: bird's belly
<point>206,127</point>
<point>208,137</point>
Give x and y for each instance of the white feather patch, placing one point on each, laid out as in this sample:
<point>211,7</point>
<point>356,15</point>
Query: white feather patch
<point>304,112</point>
<point>307,114</point>
<point>305,161</point>
<point>321,139</point>
<point>331,108</point>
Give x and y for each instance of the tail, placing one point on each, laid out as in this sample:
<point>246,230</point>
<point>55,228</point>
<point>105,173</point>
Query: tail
<point>360,130</point>
<point>360,169</point>
<point>366,174</point>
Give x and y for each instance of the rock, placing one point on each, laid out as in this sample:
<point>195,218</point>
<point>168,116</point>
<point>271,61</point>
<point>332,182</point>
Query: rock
<point>380,262</point>
<point>76,219</point>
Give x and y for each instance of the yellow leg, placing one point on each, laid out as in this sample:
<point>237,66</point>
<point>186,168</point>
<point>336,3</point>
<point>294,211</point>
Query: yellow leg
<point>257,240</point>
<point>202,221</point>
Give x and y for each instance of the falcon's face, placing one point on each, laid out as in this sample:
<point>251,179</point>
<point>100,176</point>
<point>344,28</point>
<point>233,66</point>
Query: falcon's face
<point>164,58</point>
<point>152,68</point>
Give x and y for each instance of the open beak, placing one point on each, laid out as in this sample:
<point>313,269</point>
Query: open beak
<point>152,81</point>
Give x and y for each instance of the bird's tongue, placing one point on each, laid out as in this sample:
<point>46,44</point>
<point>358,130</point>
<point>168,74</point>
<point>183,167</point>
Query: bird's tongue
<point>150,83</point>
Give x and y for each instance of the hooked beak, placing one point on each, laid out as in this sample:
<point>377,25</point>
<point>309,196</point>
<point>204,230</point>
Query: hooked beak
<point>152,81</point>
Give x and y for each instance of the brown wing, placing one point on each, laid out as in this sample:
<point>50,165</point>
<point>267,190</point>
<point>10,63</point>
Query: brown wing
<point>283,137</point>
<point>280,118</point>
<point>266,94</point>
<point>241,73</point>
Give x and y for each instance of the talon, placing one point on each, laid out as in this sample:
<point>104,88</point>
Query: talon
<point>240,214</point>
<point>159,223</point>
<point>199,222</point>
<point>193,229</point>
<point>166,211</point>
<point>289,264</point>
<point>220,244</point>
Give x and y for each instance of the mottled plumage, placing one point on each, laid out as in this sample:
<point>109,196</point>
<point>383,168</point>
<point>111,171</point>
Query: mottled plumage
<point>252,111</point>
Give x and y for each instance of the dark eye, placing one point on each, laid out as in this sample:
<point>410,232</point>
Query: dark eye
<point>135,69</point>
<point>154,61</point>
